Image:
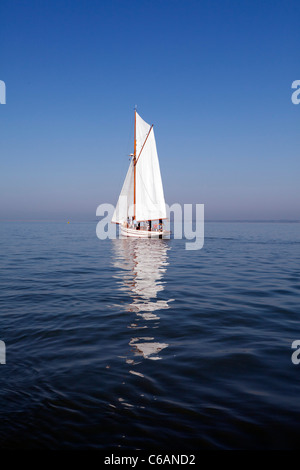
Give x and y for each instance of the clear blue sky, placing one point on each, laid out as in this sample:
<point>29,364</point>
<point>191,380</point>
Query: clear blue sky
<point>213,76</point>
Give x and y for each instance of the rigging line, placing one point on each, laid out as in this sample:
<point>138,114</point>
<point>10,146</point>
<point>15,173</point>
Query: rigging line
<point>143,145</point>
<point>124,165</point>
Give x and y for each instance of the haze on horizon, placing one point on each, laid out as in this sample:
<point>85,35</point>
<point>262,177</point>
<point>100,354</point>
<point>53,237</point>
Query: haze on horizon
<point>214,77</point>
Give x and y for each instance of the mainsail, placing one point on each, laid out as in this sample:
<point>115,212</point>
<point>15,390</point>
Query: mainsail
<point>149,194</point>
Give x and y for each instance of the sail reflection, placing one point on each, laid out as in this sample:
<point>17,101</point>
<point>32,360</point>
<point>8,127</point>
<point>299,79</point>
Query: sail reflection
<point>141,268</point>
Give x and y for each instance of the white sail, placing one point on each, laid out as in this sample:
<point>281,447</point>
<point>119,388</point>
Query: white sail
<point>150,200</point>
<point>124,207</point>
<point>149,194</point>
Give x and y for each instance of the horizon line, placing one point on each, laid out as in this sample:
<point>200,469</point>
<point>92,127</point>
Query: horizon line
<point>66,220</point>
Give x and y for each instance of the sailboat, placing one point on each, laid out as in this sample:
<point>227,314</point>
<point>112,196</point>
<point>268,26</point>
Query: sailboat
<point>141,208</point>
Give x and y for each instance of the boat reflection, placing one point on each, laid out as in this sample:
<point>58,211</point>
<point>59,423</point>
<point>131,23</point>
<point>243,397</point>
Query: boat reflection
<point>142,264</point>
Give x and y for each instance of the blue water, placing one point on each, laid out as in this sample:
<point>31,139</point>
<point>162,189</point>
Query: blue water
<point>141,344</point>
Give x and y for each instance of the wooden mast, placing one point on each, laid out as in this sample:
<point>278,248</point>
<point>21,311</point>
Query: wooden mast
<point>134,165</point>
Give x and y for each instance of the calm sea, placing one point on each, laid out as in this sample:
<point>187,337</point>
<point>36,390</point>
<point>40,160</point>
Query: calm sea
<point>141,344</point>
